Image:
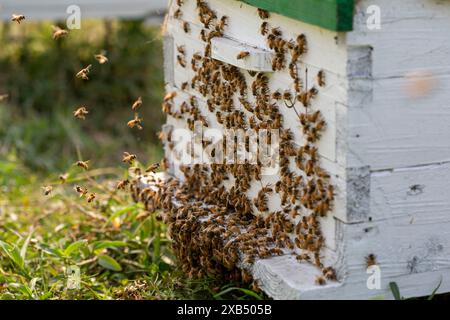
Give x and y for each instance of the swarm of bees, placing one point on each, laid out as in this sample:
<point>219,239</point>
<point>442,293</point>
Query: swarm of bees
<point>217,228</point>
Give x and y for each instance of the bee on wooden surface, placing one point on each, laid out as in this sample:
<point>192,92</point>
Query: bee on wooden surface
<point>63,177</point>
<point>180,2</point>
<point>302,44</point>
<point>3,97</point>
<point>264,28</point>
<point>204,35</point>
<point>181,61</point>
<point>122,184</point>
<point>128,158</point>
<point>263,14</point>
<point>177,14</point>
<point>222,23</point>
<point>169,96</point>
<point>242,55</point>
<point>181,50</point>
<point>91,197</point>
<point>47,190</point>
<point>83,73</point>
<point>184,85</point>
<point>82,191</point>
<point>321,78</point>
<point>136,122</point>
<point>101,58</point>
<point>59,33</point>
<point>83,164</point>
<point>186,27</point>
<point>298,85</point>
<point>80,113</point>
<point>329,273</point>
<point>276,32</point>
<point>320,281</point>
<point>371,260</point>
<point>153,167</point>
<point>17,18</point>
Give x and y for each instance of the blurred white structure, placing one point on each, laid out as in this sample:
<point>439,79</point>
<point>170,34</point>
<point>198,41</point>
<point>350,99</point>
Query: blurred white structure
<point>56,9</point>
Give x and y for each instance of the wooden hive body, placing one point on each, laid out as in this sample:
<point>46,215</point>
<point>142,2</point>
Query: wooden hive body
<point>386,147</point>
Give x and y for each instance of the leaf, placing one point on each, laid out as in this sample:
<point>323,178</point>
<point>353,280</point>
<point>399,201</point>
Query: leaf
<point>395,290</point>
<point>246,291</point>
<point>108,262</point>
<point>99,245</point>
<point>73,247</point>
<point>435,290</point>
<point>23,250</point>
<point>13,254</point>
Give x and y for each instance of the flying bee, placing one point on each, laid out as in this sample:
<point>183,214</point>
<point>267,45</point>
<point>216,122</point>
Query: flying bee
<point>136,122</point>
<point>101,58</point>
<point>91,197</point>
<point>137,104</point>
<point>186,27</point>
<point>153,167</point>
<point>122,184</point>
<point>3,97</point>
<point>80,113</point>
<point>181,61</point>
<point>371,260</point>
<point>47,190</point>
<point>321,78</point>
<point>83,73</point>
<point>128,158</point>
<point>263,14</point>
<point>83,164</point>
<point>59,33</point>
<point>242,55</point>
<point>63,177</point>
<point>17,18</point>
<point>82,191</point>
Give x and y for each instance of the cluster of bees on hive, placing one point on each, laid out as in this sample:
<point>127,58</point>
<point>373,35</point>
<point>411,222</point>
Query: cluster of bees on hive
<point>220,230</point>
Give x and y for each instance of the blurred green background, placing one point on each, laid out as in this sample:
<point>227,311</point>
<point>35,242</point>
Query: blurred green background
<point>37,128</point>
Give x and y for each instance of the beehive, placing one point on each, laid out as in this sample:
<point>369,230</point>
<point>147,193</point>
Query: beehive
<point>384,102</point>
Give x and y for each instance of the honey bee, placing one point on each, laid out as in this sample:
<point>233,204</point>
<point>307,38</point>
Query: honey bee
<point>80,113</point>
<point>321,78</point>
<point>91,197</point>
<point>83,164</point>
<point>222,23</point>
<point>82,191</point>
<point>242,55</point>
<point>59,33</point>
<point>184,85</point>
<point>17,18</point>
<point>83,73</point>
<point>371,260</point>
<point>177,14</point>
<point>101,58</point>
<point>153,167</point>
<point>128,158</point>
<point>170,95</point>
<point>320,281</point>
<point>181,61</point>
<point>276,32</point>
<point>47,190</point>
<point>302,44</point>
<point>122,184</point>
<point>180,2</point>
<point>263,14</point>
<point>137,104</point>
<point>136,122</point>
<point>186,27</point>
<point>3,97</point>
<point>63,177</point>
